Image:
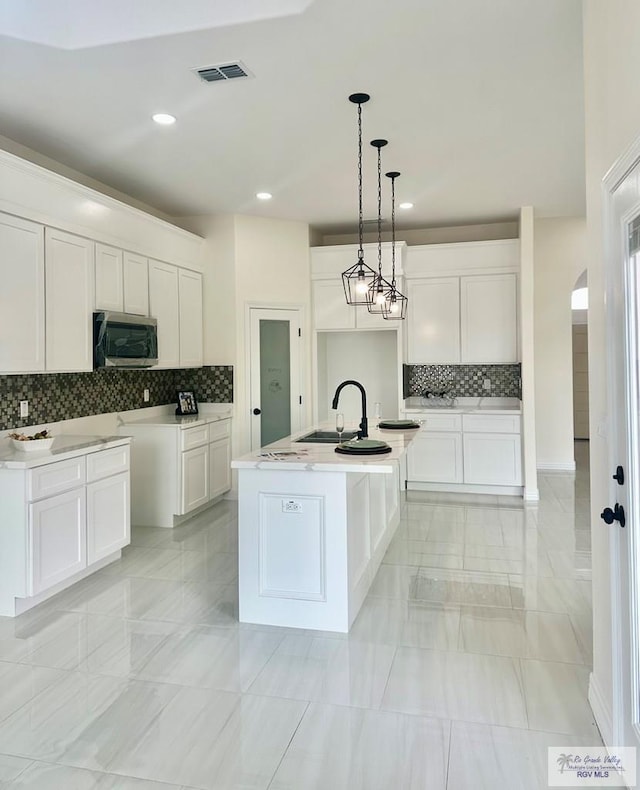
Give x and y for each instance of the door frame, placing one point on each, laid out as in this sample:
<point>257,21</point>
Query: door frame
<point>616,292</point>
<point>302,360</point>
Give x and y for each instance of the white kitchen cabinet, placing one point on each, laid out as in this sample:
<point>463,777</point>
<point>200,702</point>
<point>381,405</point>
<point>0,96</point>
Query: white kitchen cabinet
<point>435,457</point>
<point>190,318</point>
<point>108,516</point>
<point>488,319</point>
<point>195,479</point>
<point>163,305</point>
<point>492,459</point>
<point>219,467</point>
<point>433,321</point>
<point>177,465</point>
<point>69,294</point>
<point>57,537</point>
<point>109,279</point>
<point>330,309</point>
<point>22,345</point>
<point>136,284</point>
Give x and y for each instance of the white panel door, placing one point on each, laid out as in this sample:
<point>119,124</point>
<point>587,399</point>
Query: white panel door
<point>69,301</point>
<point>330,309</point>
<point>108,516</point>
<point>21,296</point>
<point>58,533</point>
<point>219,467</point>
<point>433,321</point>
<point>195,478</point>
<point>163,305</point>
<point>435,457</point>
<point>492,459</point>
<point>489,321</point>
<point>190,295</point>
<point>109,279</point>
<point>136,284</point>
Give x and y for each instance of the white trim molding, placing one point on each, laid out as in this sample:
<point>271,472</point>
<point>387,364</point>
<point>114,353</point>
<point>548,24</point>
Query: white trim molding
<point>556,466</point>
<point>602,713</point>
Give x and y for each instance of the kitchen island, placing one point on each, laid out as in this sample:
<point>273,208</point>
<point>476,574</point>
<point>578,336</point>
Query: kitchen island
<point>313,528</point>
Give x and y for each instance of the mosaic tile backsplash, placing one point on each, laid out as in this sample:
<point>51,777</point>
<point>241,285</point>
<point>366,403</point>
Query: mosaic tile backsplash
<point>65,396</point>
<point>464,381</point>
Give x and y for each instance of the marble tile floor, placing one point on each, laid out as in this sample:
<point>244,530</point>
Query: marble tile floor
<point>469,658</point>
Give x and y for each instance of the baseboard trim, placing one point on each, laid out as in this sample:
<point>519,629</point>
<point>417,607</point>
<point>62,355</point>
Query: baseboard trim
<point>601,711</point>
<point>462,488</point>
<point>552,466</point>
<point>531,495</point>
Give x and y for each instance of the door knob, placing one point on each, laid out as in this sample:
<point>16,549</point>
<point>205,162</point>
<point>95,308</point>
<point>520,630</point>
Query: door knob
<point>257,411</point>
<point>619,475</point>
<point>617,514</point>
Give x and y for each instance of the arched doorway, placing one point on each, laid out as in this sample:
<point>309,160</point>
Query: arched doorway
<point>580,355</point>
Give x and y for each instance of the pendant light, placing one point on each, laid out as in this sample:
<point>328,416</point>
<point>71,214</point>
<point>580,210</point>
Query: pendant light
<point>377,290</point>
<point>357,279</point>
<point>395,302</point>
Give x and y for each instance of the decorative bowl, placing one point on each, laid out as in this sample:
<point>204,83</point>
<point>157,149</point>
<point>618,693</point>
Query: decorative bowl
<point>32,445</point>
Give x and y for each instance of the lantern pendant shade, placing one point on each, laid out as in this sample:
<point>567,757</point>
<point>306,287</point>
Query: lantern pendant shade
<point>377,291</point>
<point>395,302</point>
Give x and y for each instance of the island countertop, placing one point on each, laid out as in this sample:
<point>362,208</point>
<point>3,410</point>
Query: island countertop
<point>290,454</point>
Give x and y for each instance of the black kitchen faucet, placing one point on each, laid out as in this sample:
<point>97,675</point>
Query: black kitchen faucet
<point>363,432</point>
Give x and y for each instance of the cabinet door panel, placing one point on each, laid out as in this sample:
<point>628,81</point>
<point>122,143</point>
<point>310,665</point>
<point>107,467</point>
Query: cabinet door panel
<point>190,291</point>
<point>195,478</point>
<point>109,279</point>
<point>433,321</point>
<point>492,459</point>
<point>21,296</point>
<point>69,300</point>
<point>57,539</point>
<point>136,284</point>
<point>330,309</point>
<point>435,458</point>
<point>219,467</point>
<point>489,319</point>
<point>163,305</point>
<point>108,516</point>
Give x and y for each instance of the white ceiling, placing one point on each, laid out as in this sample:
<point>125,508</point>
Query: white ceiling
<point>481,103</point>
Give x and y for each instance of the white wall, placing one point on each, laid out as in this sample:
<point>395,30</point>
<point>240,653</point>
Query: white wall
<point>560,255</point>
<point>612,122</point>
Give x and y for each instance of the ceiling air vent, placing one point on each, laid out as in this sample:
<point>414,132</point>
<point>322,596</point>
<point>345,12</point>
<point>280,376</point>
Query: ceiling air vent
<point>223,72</point>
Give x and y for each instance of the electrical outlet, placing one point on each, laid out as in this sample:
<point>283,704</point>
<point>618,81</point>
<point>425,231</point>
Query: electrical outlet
<point>486,384</point>
<point>291,506</point>
<point>145,395</point>
<point>24,408</point>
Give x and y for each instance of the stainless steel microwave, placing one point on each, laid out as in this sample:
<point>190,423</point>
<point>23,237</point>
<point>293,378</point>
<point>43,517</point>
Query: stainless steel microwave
<point>122,340</point>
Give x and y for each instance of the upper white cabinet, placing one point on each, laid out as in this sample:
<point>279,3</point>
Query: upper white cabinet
<point>69,289</point>
<point>330,309</point>
<point>433,321</point>
<point>163,305</point>
<point>109,278</point>
<point>21,296</point>
<point>190,316</point>
<point>136,284</point>
<point>489,329</point>
<point>122,281</point>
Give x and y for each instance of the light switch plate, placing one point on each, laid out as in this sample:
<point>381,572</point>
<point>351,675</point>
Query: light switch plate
<point>24,408</point>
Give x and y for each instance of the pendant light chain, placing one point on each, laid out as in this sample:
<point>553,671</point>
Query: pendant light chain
<point>379,216</point>
<point>360,214</point>
<point>393,232</point>
<point>395,302</point>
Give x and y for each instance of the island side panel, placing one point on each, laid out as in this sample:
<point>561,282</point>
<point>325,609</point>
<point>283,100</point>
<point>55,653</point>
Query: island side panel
<point>293,548</point>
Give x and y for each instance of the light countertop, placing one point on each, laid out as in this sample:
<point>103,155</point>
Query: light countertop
<point>204,417</point>
<point>64,446</point>
<point>489,405</point>
<point>287,454</point>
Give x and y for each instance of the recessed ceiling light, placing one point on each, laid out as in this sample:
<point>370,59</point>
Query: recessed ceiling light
<point>163,118</point>
<point>405,205</point>
<point>264,195</point>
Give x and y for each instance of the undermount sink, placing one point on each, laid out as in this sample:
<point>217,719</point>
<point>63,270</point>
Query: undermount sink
<point>327,437</point>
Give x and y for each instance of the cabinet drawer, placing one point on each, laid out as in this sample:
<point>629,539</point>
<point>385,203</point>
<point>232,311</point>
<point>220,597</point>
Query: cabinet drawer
<point>194,437</point>
<point>219,430</point>
<point>107,462</point>
<point>491,423</point>
<point>439,422</point>
<point>55,478</point>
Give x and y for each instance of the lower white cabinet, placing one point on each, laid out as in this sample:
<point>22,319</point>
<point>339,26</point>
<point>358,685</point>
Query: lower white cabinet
<point>108,521</point>
<point>178,465</point>
<point>58,539</point>
<point>435,457</point>
<point>195,478</point>
<point>59,518</point>
<point>471,449</point>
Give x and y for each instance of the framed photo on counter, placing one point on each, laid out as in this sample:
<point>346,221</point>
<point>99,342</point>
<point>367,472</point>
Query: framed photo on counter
<point>187,403</point>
